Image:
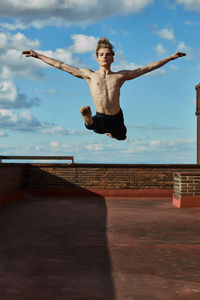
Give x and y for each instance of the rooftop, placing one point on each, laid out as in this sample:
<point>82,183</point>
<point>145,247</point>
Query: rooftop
<point>99,248</point>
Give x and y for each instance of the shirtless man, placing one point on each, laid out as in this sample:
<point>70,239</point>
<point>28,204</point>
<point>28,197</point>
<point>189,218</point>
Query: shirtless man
<point>105,87</point>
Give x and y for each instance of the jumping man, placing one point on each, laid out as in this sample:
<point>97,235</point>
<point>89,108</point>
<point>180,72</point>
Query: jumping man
<point>105,87</point>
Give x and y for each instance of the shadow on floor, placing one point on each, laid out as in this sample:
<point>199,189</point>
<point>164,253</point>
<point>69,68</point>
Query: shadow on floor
<point>55,248</point>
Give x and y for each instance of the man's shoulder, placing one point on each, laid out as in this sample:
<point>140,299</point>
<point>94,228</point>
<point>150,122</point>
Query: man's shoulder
<point>87,71</point>
<point>118,74</point>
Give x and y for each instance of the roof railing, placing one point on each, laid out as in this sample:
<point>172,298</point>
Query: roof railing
<point>18,157</point>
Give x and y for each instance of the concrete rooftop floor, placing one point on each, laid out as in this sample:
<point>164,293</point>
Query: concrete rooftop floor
<point>96,248</point>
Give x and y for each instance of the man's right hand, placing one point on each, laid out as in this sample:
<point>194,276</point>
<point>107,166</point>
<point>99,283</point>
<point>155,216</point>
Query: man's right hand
<point>32,53</point>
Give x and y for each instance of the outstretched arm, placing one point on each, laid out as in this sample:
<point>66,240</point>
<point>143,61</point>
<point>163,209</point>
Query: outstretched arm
<point>131,74</point>
<point>57,64</point>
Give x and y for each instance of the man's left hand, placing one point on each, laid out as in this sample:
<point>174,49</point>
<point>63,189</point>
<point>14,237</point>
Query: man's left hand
<point>177,55</point>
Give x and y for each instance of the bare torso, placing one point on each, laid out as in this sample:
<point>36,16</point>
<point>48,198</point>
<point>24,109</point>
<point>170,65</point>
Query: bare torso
<point>105,91</point>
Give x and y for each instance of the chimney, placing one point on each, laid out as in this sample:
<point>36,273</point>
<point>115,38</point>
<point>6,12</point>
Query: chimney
<point>198,121</point>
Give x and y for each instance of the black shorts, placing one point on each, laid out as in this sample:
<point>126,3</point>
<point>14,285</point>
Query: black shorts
<point>113,124</point>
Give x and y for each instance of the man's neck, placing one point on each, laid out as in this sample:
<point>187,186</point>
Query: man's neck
<point>104,70</point>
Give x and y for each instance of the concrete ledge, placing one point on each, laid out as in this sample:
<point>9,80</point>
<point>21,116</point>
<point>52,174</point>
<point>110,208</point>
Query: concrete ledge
<point>187,201</point>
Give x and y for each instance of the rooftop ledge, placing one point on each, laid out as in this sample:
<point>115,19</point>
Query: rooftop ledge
<point>15,157</point>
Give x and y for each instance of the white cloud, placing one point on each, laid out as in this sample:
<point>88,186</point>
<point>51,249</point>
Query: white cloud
<point>54,144</point>
<point>57,130</point>
<point>45,12</point>
<point>3,40</point>
<point>160,49</point>
<point>83,43</point>
<point>171,145</point>
<point>192,23</point>
<point>193,5</point>
<point>66,56</point>
<point>22,122</point>
<point>165,33</point>
<point>3,134</point>
<point>123,64</point>
<point>183,47</point>
<point>14,65</point>
<point>190,53</point>
<point>81,149</point>
<point>10,98</point>
<point>144,151</point>
<point>174,68</point>
<point>8,91</point>
<point>19,40</point>
<point>12,26</point>
<point>48,92</point>
<point>26,122</point>
<point>153,127</point>
<point>164,151</point>
<point>129,151</point>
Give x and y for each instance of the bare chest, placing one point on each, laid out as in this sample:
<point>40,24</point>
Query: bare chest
<point>105,85</point>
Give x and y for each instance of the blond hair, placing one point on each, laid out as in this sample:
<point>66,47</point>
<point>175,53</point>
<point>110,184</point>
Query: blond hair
<point>104,43</point>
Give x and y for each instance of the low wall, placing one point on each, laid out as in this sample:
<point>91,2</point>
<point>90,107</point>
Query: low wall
<point>108,176</point>
<point>104,179</point>
<point>96,179</point>
<point>186,189</point>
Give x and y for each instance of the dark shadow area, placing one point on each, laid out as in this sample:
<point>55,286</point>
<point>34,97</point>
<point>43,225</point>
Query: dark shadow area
<point>54,247</point>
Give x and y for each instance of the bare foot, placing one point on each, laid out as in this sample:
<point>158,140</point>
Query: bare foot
<point>110,135</point>
<point>87,115</point>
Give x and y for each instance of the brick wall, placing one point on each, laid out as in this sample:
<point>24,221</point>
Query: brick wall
<point>186,184</point>
<point>110,176</point>
<point>186,189</point>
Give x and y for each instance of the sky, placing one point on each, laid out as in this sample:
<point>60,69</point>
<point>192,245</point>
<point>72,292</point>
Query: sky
<point>40,105</point>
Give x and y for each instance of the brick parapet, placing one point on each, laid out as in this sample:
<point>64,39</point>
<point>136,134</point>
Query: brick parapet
<point>106,176</point>
<point>186,184</point>
<point>143,179</point>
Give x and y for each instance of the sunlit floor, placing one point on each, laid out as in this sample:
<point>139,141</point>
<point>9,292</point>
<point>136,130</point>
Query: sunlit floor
<point>96,248</point>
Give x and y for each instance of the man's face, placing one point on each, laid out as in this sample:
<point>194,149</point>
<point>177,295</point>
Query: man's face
<point>105,57</point>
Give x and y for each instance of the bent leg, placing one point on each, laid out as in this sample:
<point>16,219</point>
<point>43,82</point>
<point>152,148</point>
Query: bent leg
<point>97,124</point>
<point>119,130</point>
<point>112,126</point>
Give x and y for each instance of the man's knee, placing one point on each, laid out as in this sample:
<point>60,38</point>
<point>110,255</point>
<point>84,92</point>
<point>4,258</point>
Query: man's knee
<point>121,138</point>
<point>121,134</point>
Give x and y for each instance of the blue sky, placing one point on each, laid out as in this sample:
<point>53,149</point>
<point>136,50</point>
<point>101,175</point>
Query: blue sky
<point>39,105</point>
